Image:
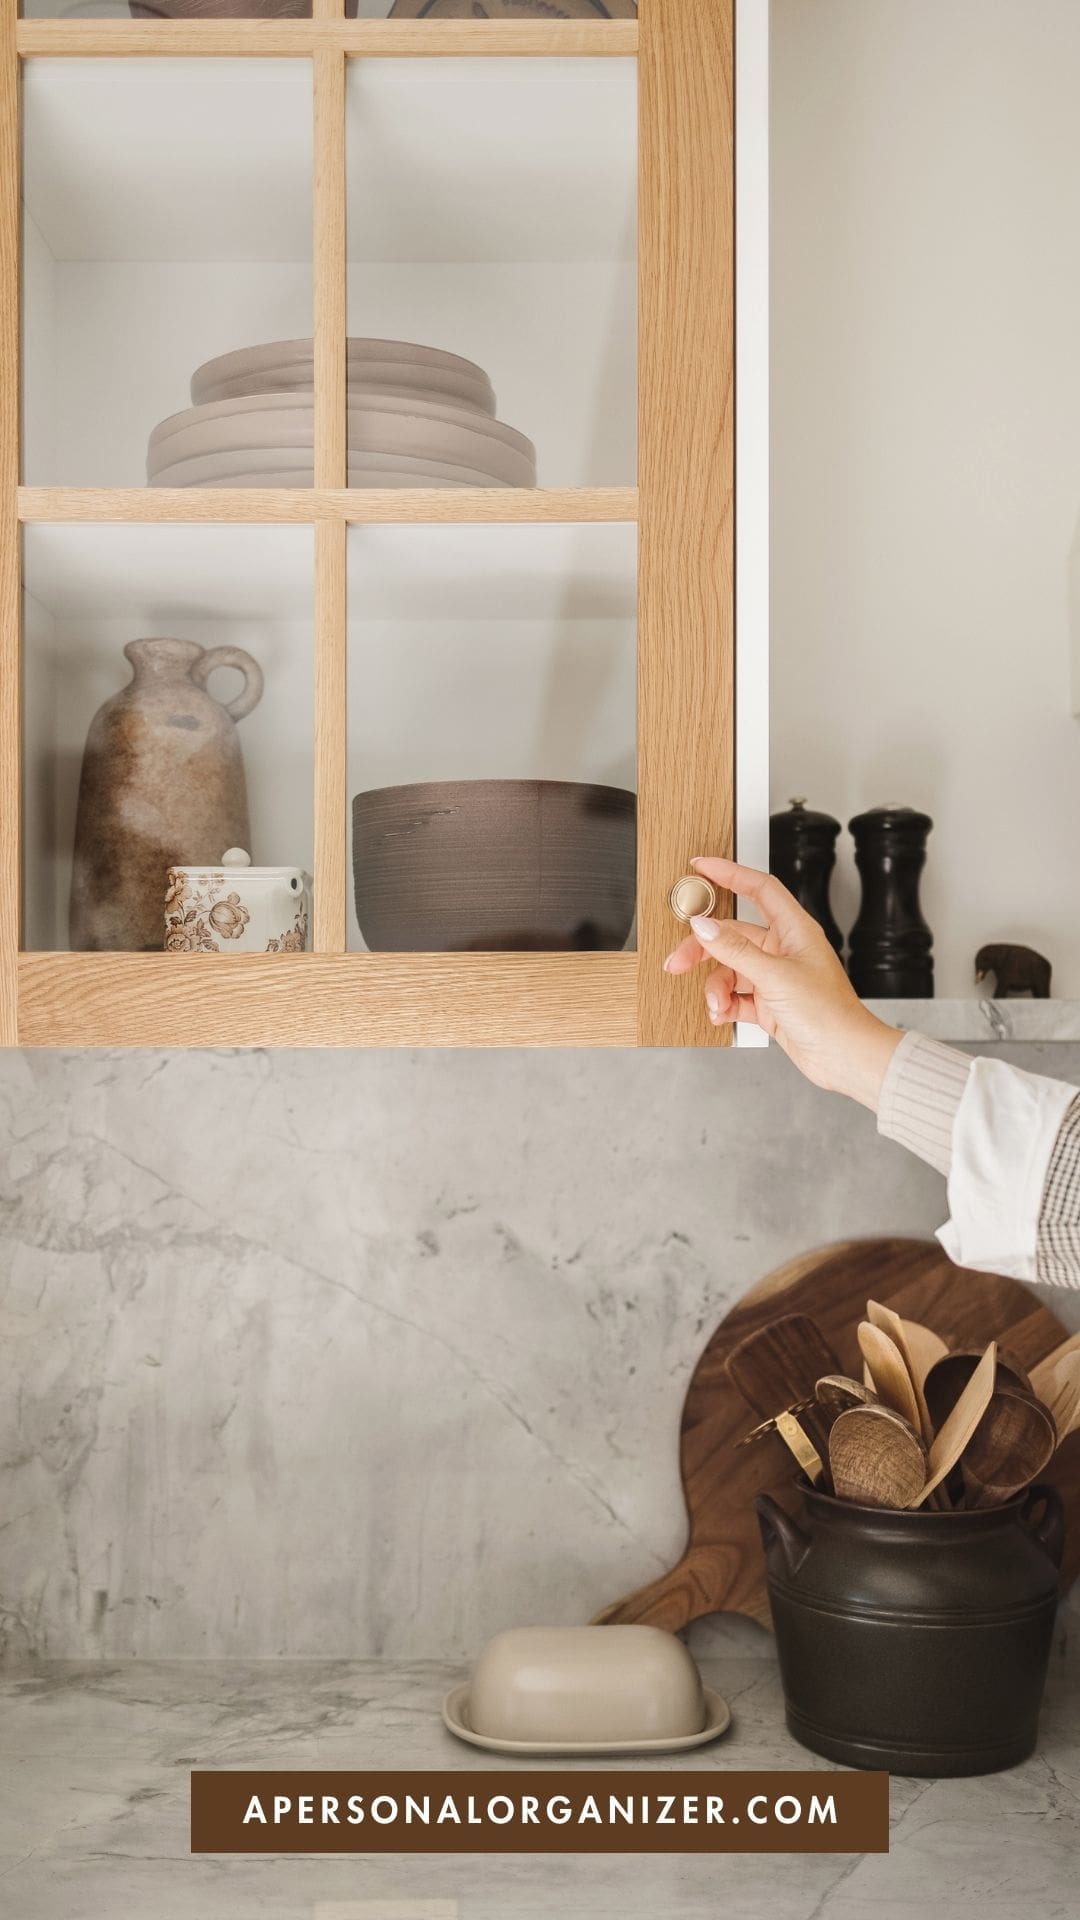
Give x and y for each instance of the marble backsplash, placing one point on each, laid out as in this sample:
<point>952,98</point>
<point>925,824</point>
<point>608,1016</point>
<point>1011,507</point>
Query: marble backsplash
<point>351,1354</point>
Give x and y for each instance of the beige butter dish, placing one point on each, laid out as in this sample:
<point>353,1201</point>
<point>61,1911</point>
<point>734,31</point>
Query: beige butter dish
<point>578,1690</point>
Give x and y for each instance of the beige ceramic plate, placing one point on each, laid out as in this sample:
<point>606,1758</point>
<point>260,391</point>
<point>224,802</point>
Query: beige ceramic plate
<point>430,443</point>
<point>290,477</point>
<point>376,401</point>
<point>226,469</point>
<point>455,1715</point>
<point>277,354</point>
<point>468,471</point>
<point>368,376</point>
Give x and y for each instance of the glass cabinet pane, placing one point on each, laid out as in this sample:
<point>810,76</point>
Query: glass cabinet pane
<point>167,220</point>
<point>186,622</point>
<point>492,676</point>
<point>491,220</point>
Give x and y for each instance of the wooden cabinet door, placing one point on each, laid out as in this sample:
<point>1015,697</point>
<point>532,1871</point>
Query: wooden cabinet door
<point>684,505</point>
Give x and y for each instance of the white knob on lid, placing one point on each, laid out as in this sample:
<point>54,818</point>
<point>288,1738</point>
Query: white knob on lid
<point>236,857</point>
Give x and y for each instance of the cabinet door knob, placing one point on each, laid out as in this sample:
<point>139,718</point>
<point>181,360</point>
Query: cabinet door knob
<point>692,895</point>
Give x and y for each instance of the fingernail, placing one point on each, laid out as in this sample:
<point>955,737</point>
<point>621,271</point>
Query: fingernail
<point>713,1005</point>
<point>667,963</point>
<point>704,928</point>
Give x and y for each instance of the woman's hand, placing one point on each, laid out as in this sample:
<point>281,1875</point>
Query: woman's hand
<point>785,978</point>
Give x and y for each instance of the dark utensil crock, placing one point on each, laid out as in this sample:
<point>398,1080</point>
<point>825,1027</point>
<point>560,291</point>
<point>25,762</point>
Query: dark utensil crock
<point>916,1642</point>
<point>494,865</point>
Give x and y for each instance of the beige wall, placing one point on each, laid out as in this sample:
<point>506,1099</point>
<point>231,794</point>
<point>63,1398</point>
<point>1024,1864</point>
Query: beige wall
<point>926,364</point>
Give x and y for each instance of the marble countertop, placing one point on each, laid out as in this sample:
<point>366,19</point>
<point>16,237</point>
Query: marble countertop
<point>985,1020</point>
<point>94,1808</point>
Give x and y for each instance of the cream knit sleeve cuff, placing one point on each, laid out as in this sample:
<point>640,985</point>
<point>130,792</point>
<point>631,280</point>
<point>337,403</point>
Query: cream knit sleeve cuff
<point>920,1095</point>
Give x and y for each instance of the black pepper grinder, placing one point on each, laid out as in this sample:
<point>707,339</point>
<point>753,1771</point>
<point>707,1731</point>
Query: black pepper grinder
<point>891,955</point>
<point>802,853</point>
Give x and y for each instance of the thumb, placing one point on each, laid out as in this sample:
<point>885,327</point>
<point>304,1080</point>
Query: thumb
<point>727,942</point>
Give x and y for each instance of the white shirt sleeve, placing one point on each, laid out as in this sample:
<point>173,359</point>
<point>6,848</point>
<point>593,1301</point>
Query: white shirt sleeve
<point>1006,1127</point>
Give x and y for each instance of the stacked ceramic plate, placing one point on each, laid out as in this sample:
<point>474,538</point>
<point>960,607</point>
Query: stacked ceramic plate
<point>418,417</point>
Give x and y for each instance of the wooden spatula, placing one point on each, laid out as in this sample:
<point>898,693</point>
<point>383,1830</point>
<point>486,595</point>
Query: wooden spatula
<point>954,1436</point>
<point>1042,1376</point>
<point>892,1381</point>
<point>1062,1395</point>
<point>890,1323</point>
<point>923,1348</point>
<point>779,1367</point>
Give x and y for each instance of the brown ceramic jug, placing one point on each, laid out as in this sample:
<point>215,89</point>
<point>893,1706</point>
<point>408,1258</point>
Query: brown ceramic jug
<point>914,1641</point>
<point>162,786</point>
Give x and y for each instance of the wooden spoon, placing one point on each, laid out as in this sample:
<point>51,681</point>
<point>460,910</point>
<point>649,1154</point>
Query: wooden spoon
<point>837,1392</point>
<point>889,1373</point>
<point>961,1423</point>
<point>948,1377</point>
<point>1013,1442</point>
<point>876,1458</point>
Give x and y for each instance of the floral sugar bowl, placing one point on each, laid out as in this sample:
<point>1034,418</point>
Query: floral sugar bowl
<point>237,908</point>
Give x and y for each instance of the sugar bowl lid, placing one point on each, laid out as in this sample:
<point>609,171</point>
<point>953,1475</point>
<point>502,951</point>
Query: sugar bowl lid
<point>236,860</point>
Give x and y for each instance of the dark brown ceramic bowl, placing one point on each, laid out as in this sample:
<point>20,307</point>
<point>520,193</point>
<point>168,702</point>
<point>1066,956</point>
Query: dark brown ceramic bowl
<point>486,866</point>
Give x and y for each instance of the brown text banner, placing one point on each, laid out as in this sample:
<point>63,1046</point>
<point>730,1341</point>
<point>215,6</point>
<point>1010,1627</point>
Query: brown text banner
<point>520,1812</point>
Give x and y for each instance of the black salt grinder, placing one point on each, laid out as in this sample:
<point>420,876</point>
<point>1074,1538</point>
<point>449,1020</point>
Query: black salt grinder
<point>802,853</point>
<point>891,946</point>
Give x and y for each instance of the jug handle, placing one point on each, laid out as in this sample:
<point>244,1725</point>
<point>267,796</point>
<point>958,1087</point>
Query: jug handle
<point>777,1525</point>
<point>250,693</point>
<point>1049,1529</point>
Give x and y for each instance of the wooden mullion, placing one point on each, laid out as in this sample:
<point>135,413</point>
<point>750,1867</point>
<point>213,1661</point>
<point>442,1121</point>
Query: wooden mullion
<point>292,39</point>
<point>329,271</point>
<point>463,506</point>
<point>686,746</point>
<point>10,534</point>
<point>331,738</point>
<point>331,473</point>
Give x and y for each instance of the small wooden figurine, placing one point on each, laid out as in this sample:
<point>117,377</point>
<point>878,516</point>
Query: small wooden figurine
<point>1017,971</point>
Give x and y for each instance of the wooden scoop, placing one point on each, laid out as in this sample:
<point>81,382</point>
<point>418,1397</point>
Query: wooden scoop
<point>961,1424</point>
<point>836,1392</point>
<point>948,1377</point>
<point>877,1458</point>
<point>1013,1442</point>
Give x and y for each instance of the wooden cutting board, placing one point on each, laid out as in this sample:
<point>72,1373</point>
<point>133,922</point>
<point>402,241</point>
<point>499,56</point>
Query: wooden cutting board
<point>723,1568</point>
